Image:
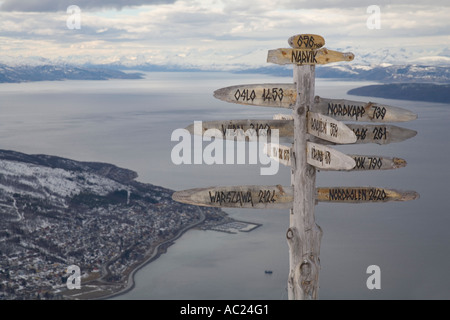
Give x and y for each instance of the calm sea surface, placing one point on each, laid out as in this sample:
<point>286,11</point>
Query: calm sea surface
<point>129,123</point>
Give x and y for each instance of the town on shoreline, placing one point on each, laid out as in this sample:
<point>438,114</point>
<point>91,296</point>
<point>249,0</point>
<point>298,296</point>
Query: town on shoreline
<point>98,289</point>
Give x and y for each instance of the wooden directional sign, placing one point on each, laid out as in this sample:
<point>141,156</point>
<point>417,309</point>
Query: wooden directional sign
<point>252,197</point>
<point>326,158</point>
<point>283,95</point>
<point>370,133</point>
<point>361,111</point>
<point>266,95</point>
<point>369,163</point>
<point>246,128</point>
<point>307,56</point>
<point>306,41</point>
<point>363,194</point>
<point>329,129</point>
<point>283,154</point>
<point>380,134</point>
<point>279,152</point>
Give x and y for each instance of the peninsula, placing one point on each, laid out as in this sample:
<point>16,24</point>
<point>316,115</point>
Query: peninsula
<point>57,212</point>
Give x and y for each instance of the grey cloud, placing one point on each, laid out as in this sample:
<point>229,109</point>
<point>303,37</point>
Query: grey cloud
<point>61,5</point>
<point>291,4</point>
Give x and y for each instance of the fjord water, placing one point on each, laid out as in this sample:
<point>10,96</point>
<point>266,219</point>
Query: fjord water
<point>129,123</point>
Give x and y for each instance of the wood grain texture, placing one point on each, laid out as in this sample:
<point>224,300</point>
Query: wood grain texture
<point>323,157</point>
<point>363,195</point>
<point>304,235</point>
<point>329,129</point>
<point>276,95</point>
<point>349,110</point>
<point>307,57</point>
<point>374,133</point>
<point>283,154</point>
<point>249,197</point>
<point>306,41</point>
<point>245,128</point>
<point>278,152</point>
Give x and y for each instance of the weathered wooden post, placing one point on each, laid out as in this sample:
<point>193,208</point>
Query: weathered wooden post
<point>303,235</point>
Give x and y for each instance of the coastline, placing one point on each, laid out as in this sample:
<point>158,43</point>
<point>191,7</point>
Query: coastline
<point>123,288</point>
<point>157,252</point>
<point>105,290</point>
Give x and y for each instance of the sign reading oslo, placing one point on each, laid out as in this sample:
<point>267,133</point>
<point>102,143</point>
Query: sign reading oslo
<point>284,95</point>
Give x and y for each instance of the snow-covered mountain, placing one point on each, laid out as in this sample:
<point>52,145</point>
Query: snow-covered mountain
<point>50,72</point>
<point>385,65</point>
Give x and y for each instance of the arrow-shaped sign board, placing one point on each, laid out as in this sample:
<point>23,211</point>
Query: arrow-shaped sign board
<point>347,110</point>
<point>329,129</point>
<point>370,133</point>
<point>244,129</point>
<point>306,41</point>
<point>307,56</point>
<point>363,194</point>
<point>265,95</point>
<point>380,134</point>
<point>326,158</point>
<point>252,197</point>
<point>284,95</point>
<point>283,154</point>
<point>369,163</point>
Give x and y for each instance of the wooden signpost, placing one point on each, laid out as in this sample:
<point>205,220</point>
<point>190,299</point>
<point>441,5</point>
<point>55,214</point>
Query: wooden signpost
<point>284,95</point>
<point>346,110</point>
<point>306,41</point>
<point>326,158</point>
<point>250,197</point>
<point>280,153</point>
<point>307,56</point>
<point>231,129</point>
<point>314,124</point>
<point>283,154</point>
<point>363,194</point>
<point>276,95</point>
<point>376,133</point>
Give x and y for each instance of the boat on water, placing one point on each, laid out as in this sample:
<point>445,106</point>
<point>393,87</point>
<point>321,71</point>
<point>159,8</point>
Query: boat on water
<point>268,271</point>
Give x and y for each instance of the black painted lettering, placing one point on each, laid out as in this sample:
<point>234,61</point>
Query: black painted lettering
<point>319,126</point>
<point>333,130</point>
<point>379,112</point>
<point>360,162</point>
<point>379,133</point>
<point>350,111</point>
<point>304,56</point>
<point>360,133</point>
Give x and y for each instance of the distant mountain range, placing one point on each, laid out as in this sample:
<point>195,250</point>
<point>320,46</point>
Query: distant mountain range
<point>380,73</point>
<point>385,73</point>
<point>26,73</point>
<point>407,91</point>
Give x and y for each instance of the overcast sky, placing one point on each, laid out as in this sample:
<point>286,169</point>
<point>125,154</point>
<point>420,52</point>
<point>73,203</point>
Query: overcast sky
<point>216,33</point>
